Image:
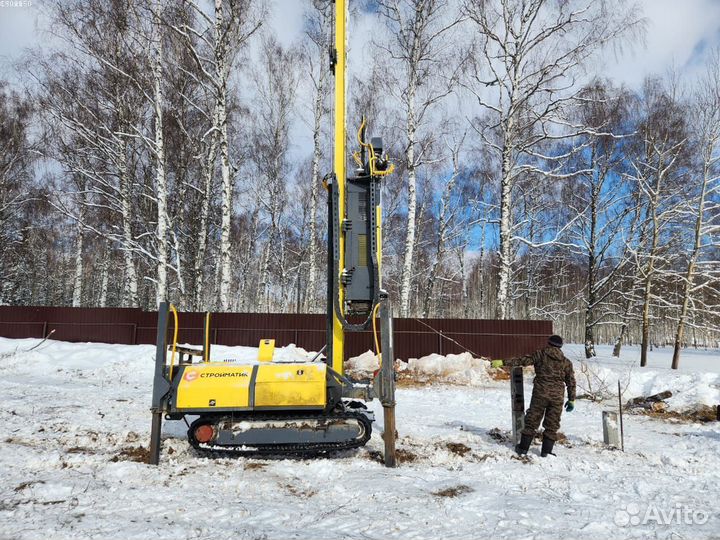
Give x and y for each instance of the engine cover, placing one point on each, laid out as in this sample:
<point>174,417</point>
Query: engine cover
<point>267,386</point>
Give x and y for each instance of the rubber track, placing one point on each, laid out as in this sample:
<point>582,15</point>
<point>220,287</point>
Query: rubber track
<point>295,450</point>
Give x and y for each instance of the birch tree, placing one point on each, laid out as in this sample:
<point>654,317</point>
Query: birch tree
<point>214,44</point>
<point>16,160</point>
<point>159,151</point>
<point>527,56</point>
<point>93,136</point>
<point>605,205</point>
<point>318,34</point>
<point>663,142</point>
<point>446,222</point>
<point>276,83</point>
<point>420,46</point>
<point>704,202</point>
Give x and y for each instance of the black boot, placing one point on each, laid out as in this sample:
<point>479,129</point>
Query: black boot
<point>547,447</point>
<point>524,445</point>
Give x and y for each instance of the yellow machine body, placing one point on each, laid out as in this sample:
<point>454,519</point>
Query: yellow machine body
<point>219,386</point>
<point>291,385</point>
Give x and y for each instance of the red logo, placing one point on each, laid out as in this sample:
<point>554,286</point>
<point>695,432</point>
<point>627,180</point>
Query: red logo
<point>190,375</point>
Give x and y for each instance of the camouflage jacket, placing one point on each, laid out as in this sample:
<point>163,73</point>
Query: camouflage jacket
<point>553,372</point>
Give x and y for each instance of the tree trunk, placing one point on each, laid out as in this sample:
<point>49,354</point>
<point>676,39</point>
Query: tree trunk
<point>591,279</point>
<point>208,173</point>
<point>248,257</point>
<point>130,295</point>
<point>650,270</point>
<point>104,278</point>
<point>225,167</point>
<point>690,274</point>
<point>80,241</point>
<point>443,222</point>
<point>264,274</point>
<point>503,293</point>
<point>310,296</point>
<point>160,176</point>
<point>406,278</point>
<point>624,327</point>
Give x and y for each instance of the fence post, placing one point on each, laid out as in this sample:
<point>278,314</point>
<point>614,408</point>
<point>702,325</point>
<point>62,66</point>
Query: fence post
<point>440,341</point>
<point>44,330</point>
<point>134,334</point>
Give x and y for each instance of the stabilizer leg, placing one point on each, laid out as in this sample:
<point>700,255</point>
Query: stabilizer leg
<point>387,382</point>
<point>160,384</point>
<point>155,430</point>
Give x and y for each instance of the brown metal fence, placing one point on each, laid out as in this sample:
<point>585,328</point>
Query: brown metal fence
<point>413,337</point>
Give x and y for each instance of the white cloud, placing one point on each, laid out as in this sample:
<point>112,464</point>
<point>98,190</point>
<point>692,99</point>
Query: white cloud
<point>675,31</point>
<point>286,20</point>
<point>17,32</point>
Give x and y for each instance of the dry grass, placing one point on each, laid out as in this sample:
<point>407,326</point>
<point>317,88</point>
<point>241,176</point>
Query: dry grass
<point>299,492</point>
<point>499,374</point>
<point>25,485</point>
<point>80,450</point>
<point>139,454</point>
<point>406,379</point>
<point>458,448</point>
<point>700,414</point>
<point>454,491</point>
<point>405,456</point>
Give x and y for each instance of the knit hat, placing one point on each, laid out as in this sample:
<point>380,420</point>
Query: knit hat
<point>555,341</point>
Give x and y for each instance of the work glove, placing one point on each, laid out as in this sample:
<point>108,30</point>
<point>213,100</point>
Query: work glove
<point>570,406</point>
<point>495,364</point>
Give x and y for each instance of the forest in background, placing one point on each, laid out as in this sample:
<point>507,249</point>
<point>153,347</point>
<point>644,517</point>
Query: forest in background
<point>176,149</point>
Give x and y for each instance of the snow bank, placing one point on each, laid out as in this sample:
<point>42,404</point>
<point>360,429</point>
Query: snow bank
<point>453,368</point>
<point>696,384</point>
<point>689,389</point>
<point>363,365</point>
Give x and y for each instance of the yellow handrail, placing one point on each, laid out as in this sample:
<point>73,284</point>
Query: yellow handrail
<point>174,347</point>
<point>206,349</point>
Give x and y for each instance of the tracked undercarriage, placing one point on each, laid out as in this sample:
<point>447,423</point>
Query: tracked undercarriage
<point>297,434</point>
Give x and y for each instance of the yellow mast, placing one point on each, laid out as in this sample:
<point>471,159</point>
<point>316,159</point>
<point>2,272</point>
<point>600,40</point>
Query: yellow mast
<point>338,348</point>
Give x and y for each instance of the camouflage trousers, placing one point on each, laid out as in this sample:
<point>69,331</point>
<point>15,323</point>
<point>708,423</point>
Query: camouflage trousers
<point>540,407</point>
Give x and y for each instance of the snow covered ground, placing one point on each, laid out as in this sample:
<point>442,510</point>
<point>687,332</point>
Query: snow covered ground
<point>73,415</point>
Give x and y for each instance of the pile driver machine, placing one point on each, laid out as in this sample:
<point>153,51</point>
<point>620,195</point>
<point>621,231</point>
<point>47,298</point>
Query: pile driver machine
<point>302,407</point>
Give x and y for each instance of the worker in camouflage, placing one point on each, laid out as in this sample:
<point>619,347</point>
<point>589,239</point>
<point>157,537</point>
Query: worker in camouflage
<point>553,373</point>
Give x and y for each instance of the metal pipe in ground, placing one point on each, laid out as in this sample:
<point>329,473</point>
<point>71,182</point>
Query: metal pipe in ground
<point>622,431</point>
<point>389,436</point>
<point>155,429</point>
